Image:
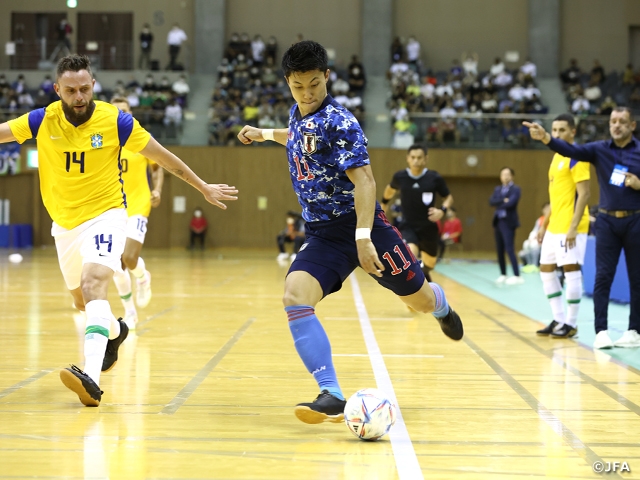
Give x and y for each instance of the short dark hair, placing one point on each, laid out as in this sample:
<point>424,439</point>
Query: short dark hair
<point>566,117</point>
<point>417,146</point>
<point>73,63</point>
<point>510,170</point>
<point>305,56</point>
<point>625,109</point>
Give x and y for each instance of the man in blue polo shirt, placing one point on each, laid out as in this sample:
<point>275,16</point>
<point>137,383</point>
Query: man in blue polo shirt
<point>617,163</point>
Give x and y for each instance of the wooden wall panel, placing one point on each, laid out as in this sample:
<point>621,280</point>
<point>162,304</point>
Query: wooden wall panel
<point>262,172</point>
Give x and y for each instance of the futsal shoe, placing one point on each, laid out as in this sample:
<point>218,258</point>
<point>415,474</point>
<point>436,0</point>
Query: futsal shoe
<point>451,325</point>
<point>514,281</point>
<point>548,329</point>
<point>602,340</point>
<point>143,293</point>
<point>131,319</point>
<point>325,408</point>
<point>81,384</point>
<point>111,354</point>
<point>629,339</point>
<point>501,279</point>
<point>565,331</point>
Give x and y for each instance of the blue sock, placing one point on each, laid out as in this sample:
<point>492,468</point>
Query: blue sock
<point>442,306</point>
<point>313,347</point>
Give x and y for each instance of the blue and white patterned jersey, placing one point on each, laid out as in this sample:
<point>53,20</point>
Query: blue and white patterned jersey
<point>321,147</point>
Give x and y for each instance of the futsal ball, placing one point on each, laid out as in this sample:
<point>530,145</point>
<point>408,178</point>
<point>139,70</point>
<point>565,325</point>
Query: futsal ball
<point>369,414</point>
<point>15,258</point>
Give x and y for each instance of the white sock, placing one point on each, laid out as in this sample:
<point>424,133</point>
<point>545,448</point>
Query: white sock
<point>553,291</point>
<point>573,294</point>
<point>123,285</point>
<point>95,338</point>
<point>138,272</point>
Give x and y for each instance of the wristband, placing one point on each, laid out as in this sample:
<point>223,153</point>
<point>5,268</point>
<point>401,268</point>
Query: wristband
<point>267,133</point>
<point>384,201</point>
<point>362,233</point>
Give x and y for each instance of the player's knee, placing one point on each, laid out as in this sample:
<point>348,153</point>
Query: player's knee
<point>290,298</point>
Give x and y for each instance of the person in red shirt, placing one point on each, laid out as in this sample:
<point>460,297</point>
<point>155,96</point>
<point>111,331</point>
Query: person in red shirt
<point>451,231</point>
<point>198,228</point>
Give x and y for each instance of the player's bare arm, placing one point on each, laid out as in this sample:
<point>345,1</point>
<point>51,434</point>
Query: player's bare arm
<point>584,191</point>
<point>5,134</point>
<point>387,196</point>
<point>365,203</point>
<point>436,214</point>
<point>538,132</point>
<point>213,193</point>
<point>543,228</point>
<point>157,180</point>
<point>250,134</point>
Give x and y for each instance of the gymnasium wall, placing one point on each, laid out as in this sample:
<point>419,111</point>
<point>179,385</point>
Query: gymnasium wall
<point>160,14</point>
<point>262,172</point>
<point>597,29</point>
<point>336,24</point>
<point>446,28</point>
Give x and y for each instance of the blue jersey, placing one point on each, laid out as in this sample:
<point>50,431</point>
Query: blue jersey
<point>321,147</point>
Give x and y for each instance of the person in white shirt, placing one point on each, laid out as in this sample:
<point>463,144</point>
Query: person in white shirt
<point>593,92</point>
<point>580,105</point>
<point>180,86</point>
<point>470,63</point>
<point>257,50</point>
<point>516,93</point>
<point>427,90</point>
<point>340,86</point>
<point>173,114</point>
<point>503,79</point>
<point>174,39</point>
<point>530,91</point>
<point>528,69</point>
<point>497,68</point>
<point>413,50</point>
<point>441,90</point>
<point>398,67</point>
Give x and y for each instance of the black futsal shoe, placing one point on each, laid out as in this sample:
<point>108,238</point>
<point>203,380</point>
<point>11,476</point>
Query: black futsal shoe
<point>565,331</point>
<point>82,385</point>
<point>325,408</point>
<point>451,325</point>
<point>548,330</point>
<point>111,354</point>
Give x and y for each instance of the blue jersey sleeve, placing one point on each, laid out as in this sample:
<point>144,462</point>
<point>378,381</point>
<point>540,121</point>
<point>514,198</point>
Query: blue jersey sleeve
<point>348,141</point>
<point>582,153</point>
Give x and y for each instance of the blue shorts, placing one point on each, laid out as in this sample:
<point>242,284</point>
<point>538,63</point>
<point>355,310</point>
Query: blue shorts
<point>329,254</point>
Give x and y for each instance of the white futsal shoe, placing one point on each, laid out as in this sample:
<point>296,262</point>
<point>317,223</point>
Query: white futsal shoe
<point>501,279</point>
<point>514,281</point>
<point>629,339</point>
<point>602,340</point>
<point>131,319</point>
<point>143,293</point>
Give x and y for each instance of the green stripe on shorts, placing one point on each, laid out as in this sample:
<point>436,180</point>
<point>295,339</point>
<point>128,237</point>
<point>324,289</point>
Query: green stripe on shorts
<point>97,329</point>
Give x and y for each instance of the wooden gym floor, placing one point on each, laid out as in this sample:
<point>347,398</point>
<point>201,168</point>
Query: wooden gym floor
<point>206,386</point>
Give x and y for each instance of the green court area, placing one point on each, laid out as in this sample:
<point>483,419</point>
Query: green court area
<point>529,300</point>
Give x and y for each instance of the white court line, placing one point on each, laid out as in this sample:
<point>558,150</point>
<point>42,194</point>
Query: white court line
<point>403,452</point>
<point>374,319</point>
<point>388,355</point>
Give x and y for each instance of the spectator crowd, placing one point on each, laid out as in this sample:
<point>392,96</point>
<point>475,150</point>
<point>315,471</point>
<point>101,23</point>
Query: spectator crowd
<point>251,89</point>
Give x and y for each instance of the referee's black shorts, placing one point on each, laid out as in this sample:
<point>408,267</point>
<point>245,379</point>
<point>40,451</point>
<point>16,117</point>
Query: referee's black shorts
<point>426,237</point>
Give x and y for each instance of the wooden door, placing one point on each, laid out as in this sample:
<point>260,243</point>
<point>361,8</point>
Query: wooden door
<point>35,36</point>
<point>107,38</point>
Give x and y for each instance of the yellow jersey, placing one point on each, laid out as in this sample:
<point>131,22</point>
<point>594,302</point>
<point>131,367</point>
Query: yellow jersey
<point>79,167</point>
<point>135,175</point>
<point>564,174</point>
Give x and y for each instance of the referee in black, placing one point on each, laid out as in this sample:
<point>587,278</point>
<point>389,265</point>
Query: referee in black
<point>418,187</point>
<point>617,163</point>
